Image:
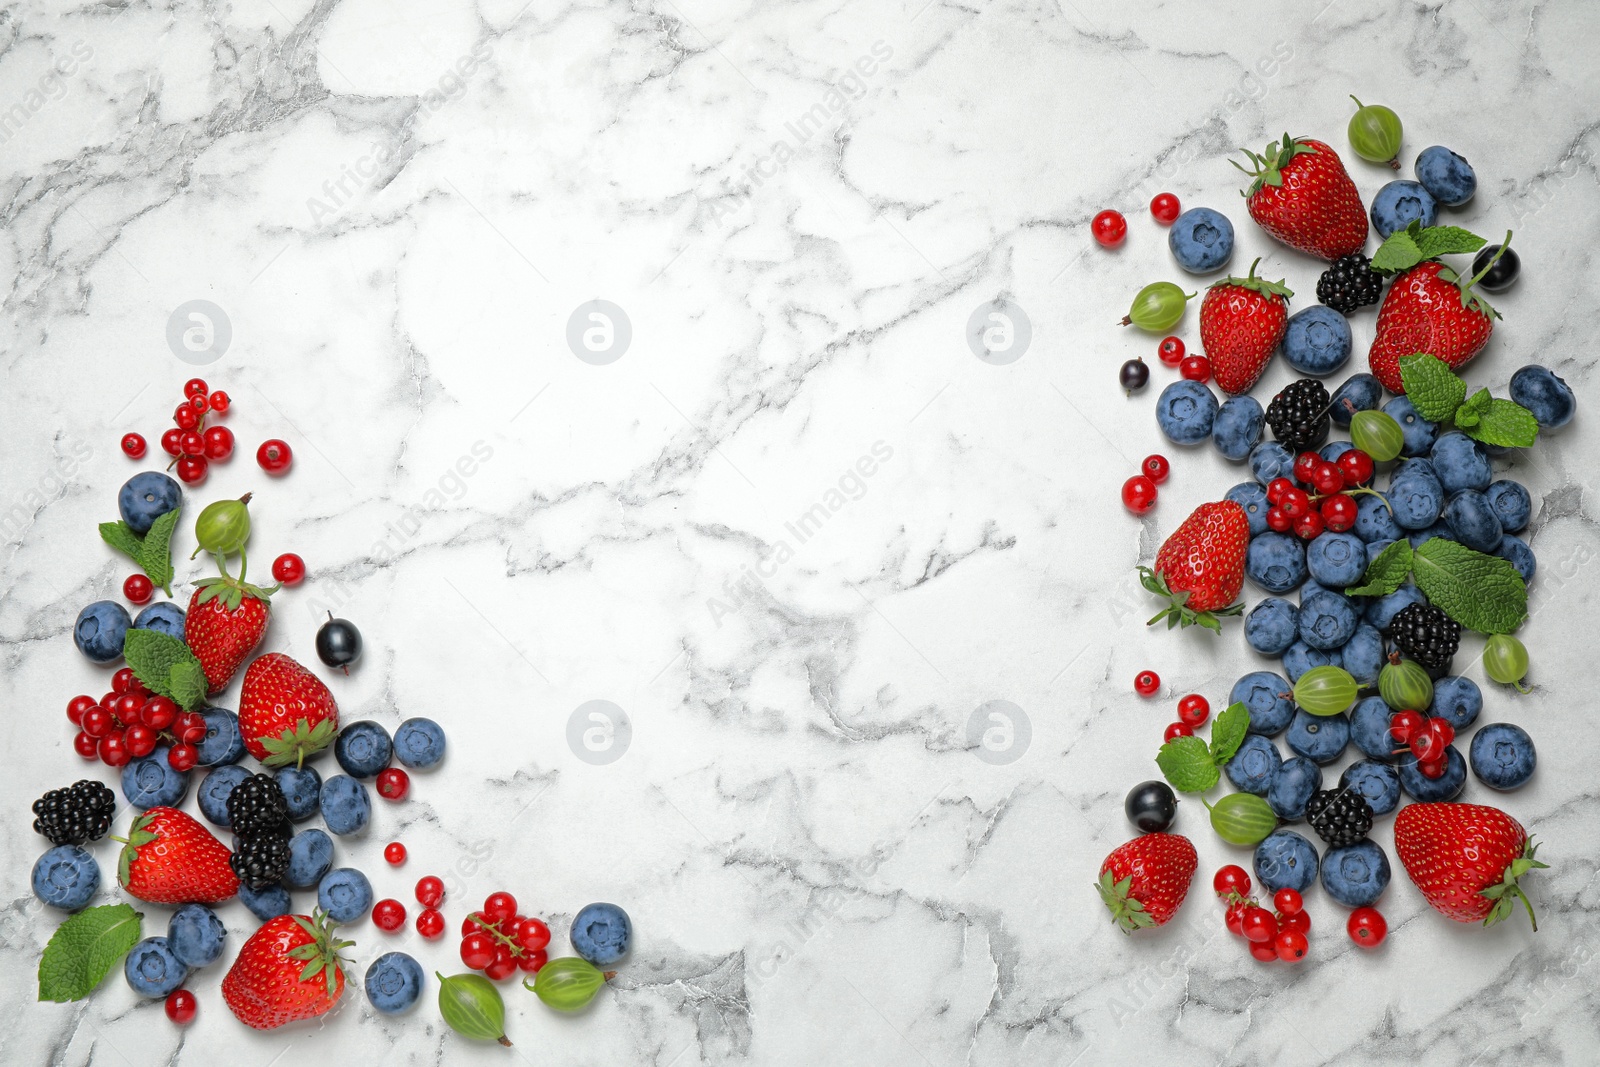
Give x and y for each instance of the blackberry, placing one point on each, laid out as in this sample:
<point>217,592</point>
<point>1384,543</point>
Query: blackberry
<point>1349,284</point>
<point>260,860</point>
<point>256,804</point>
<point>75,814</point>
<point>1340,817</point>
<point>1299,415</point>
<point>1426,634</point>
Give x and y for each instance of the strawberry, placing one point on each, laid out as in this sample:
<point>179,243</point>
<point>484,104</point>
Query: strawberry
<point>1200,568</point>
<point>226,620</point>
<point>1428,309</point>
<point>1466,859</point>
<point>290,969</point>
<point>1241,323</point>
<point>1302,196</point>
<point>169,858</point>
<point>1143,882</point>
<point>285,712</point>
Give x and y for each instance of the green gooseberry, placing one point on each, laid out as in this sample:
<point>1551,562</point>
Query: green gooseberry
<point>1505,659</point>
<point>1377,434</point>
<point>472,1007</point>
<point>568,983</point>
<point>1375,133</point>
<point>223,527</point>
<point>1405,686</point>
<point>1325,690</point>
<point>1158,307</point>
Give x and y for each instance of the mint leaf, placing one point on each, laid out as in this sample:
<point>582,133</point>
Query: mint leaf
<point>1387,572</point>
<point>155,553</point>
<point>120,537</point>
<point>1433,388</point>
<point>187,680</point>
<point>1436,241</point>
<point>1482,593</point>
<point>155,658</point>
<point>1505,423</point>
<point>1187,764</point>
<point>84,948</point>
<point>1227,733</point>
<point>1400,252</point>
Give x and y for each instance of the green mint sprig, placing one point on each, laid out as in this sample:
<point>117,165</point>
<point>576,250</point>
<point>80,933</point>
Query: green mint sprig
<point>166,666</point>
<point>152,552</point>
<point>84,949</point>
<point>1439,395</point>
<point>1481,592</point>
<point>1190,765</point>
<point>1417,243</point>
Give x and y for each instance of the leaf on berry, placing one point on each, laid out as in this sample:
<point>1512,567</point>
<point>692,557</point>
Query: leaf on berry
<point>1387,571</point>
<point>84,948</point>
<point>155,551</point>
<point>1187,765</point>
<point>154,657</point>
<point>188,682</point>
<point>1400,252</point>
<point>122,538</point>
<point>1436,241</point>
<point>1227,733</point>
<point>1481,592</point>
<point>1505,424</point>
<point>1432,387</point>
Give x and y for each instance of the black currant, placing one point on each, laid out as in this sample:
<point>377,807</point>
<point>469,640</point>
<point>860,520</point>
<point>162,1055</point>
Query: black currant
<point>1151,806</point>
<point>1502,274</point>
<point>338,643</point>
<point>1134,375</point>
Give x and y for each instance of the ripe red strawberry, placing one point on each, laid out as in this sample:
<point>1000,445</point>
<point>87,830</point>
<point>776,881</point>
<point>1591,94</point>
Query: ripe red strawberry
<point>285,712</point>
<point>1302,196</point>
<point>1200,568</point>
<point>1466,859</point>
<point>169,858</point>
<point>290,969</point>
<point>225,623</point>
<point>1241,323</point>
<point>1427,309</point>
<point>1143,882</point>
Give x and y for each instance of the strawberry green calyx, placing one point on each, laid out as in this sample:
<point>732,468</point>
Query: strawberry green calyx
<point>1268,167</point>
<point>293,746</point>
<point>1128,912</point>
<point>1506,892</point>
<point>1177,612</point>
<point>138,837</point>
<point>232,591</point>
<point>1259,285</point>
<point>321,956</point>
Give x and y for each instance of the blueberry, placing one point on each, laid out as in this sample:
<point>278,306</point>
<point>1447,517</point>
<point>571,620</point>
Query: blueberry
<point>145,498</point>
<point>1419,786</point>
<point>1270,460</point>
<point>419,743</point>
<point>1285,860</point>
<point>214,790</point>
<point>1355,875</point>
<point>602,934</point>
<point>1382,610</point>
<point>310,857</point>
<point>223,743</point>
<point>151,782</point>
<point>1375,520</point>
<point>1375,548</point>
<point>1318,737</point>
<point>1512,504</point>
<point>1271,626</point>
<point>1276,562</point>
<point>346,806</point>
<point>1457,701</point>
<point>268,903</point>
<point>363,748</point>
<point>1449,178</point>
<point>1253,498</point>
<point>1438,529</point>
<point>394,982</point>
<point>1360,392</point>
<point>1377,782</point>
<point>1316,341</point>
<point>1416,497</point>
<point>1293,785</point>
<point>1417,433</point>
<point>1516,551</point>
<point>1186,411</point>
<point>1369,729</point>
<point>345,894</point>
<point>1201,240</point>
<point>1543,392</point>
<point>1334,449</point>
<point>1362,655</point>
<point>1237,427</point>
<point>1327,620</point>
<point>1502,756</point>
<point>1460,462</point>
<point>301,787</point>
<point>66,877</point>
<point>1301,657</point>
<point>164,617</point>
<point>1255,765</point>
<point>196,935</point>
<point>1268,698</point>
<point>152,969</point>
<point>1399,204</point>
<point>1471,519</point>
<point>100,631</point>
<point>1336,560</point>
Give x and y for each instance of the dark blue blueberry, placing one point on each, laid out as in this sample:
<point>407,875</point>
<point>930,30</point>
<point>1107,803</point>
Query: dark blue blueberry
<point>1334,449</point>
<point>1271,626</point>
<point>1471,519</point>
<point>1356,875</point>
<point>1268,697</point>
<point>1399,204</point>
<point>215,788</point>
<point>310,857</point>
<point>1375,548</point>
<point>345,894</point>
<point>419,743</point>
<point>1301,657</point>
<point>1316,341</point>
<point>164,617</point>
<point>1438,529</point>
<point>1321,738</point>
<point>1544,393</point>
<point>146,497</point>
<point>1285,860</point>
<point>223,742</point>
<point>1502,756</point>
<point>101,629</point>
<point>1457,701</point>
<point>1362,655</point>
<point>1276,562</point>
<point>1255,765</point>
<point>1296,780</point>
<point>1375,520</point>
<point>301,787</point>
<point>1327,620</point>
<point>394,982</point>
<point>1419,786</point>
<point>346,806</point>
<point>196,935</point>
<point>1416,497</point>
<point>1253,498</point>
<point>1360,392</point>
<point>268,903</point>
<point>1336,560</point>
<point>152,969</point>
<point>1237,428</point>
<point>1186,411</point>
<point>1201,240</point>
<point>66,877</point>
<point>1369,728</point>
<point>1383,609</point>
<point>150,782</point>
<point>1449,178</point>
<point>1516,551</point>
<point>1270,460</point>
<point>1512,504</point>
<point>1460,463</point>
<point>1418,433</point>
<point>363,748</point>
<point>602,933</point>
<point>1378,782</point>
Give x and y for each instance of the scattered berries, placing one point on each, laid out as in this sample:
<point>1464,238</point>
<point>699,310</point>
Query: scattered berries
<point>1156,468</point>
<point>393,783</point>
<point>1195,368</point>
<point>1139,494</point>
<point>1367,927</point>
<point>389,914</point>
<point>430,891</point>
<point>1171,351</point>
<point>289,569</point>
<point>394,853</point>
<point>1194,710</point>
<point>1109,228</point>
<point>430,924</point>
<point>181,1006</point>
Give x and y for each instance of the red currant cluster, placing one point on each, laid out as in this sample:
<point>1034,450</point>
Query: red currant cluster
<point>128,722</point>
<point>1193,711</point>
<point>1273,935</point>
<point>1139,492</point>
<point>194,446</point>
<point>1110,229</point>
<point>1330,502</point>
<point>1427,738</point>
<point>499,942</point>
<point>1196,368</point>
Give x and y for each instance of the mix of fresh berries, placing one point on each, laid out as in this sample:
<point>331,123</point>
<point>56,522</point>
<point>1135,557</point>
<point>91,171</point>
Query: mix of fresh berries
<point>1281,932</point>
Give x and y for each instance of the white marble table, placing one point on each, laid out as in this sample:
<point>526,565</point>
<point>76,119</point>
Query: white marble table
<point>794,529</point>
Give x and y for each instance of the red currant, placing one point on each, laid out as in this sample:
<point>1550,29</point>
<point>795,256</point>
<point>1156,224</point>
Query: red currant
<point>218,442</point>
<point>1326,478</point>
<point>1356,466</point>
<point>1434,768</point>
<point>1195,368</point>
<point>77,706</point>
<point>532,934</point>
<point>133,445</point>
<point>1109,228</point>
<point>122,681</point>
<point>86,746</point>
<point>394,853</point>
<point>1145,683</point>
<point>141,740</point>
<point>1305,466</point>
<point>192,443</point>
<point>274,456</point>
<point>219,401</point>
<point>127,710</point>
<point>1404,725</point>
<point>1231,879</point>
<point>113,749</point>
<point>200,404</point>
<point>181,1006</point>
<point>1277,520</point>
<point>1276,488</point>
<point>137,588</point>
<point>1265,951</point>
<point>393,783</point>
<point>1288,901</point>
<point>195,387</point>
<point>1138,494</point>
<point>1258,924</point>
<point>478,950</point>
<point>190,728</point>
<point>1292,946</point>
<point>1166,208</point>
<point>186,417</point>
<point>192,470</point>
<point>389,914</point>
<point>1442,732</point>
<point>1339,512</point>
<point>499,907</point>
<point>1175,731</point>
<point>1156,468</point>
<point>1309,526</point>
<point>97,722</point>
<point>1194,710</point>
<point>183,757</point>
<point>158,713</point>
<point>1295,503</point>
<point>502,968</point>
<point>430,924</point>
<point>289,569</point>
<point>532,961</point>
<point>1232,918</point>
<point>474,922</point>
<point>1171,351</point>
<point>430,892</point>
<point>1425,746</point>
<point>1299,921</point>
<point>1367,927</point>
<point>109,701</point>
<point>169,442</point>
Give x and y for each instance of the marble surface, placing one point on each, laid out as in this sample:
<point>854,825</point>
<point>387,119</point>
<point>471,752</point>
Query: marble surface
<point>794,534</point>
